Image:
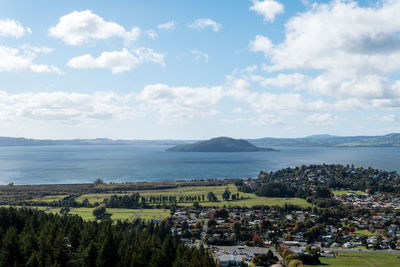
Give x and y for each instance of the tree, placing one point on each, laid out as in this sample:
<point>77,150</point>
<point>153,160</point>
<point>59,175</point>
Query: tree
<point>99,211</point>
<point>257,241</point>
<point>265,259</point>
<point>226,195</point>
<point>98,181</point>
<point>211,197</point>
<point>295,263</point>
<point>323,192</point>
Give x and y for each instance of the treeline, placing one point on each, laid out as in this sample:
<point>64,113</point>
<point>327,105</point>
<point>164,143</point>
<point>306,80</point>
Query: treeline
<point>134,201</point>
<point>35,238</point>
<point>336,177</point>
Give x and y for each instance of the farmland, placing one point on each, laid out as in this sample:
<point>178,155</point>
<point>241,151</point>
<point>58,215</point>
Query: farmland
<point>355,259</point>
<point>246,199</point>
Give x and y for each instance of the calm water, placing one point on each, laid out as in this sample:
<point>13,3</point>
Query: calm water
<point>80,164</point>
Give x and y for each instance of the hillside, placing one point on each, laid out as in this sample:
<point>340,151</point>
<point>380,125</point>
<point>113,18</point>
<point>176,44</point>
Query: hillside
<point>220,144</point>
<point>389,140</point>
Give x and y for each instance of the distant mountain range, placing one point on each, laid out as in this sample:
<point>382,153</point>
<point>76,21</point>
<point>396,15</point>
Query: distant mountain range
<point>11,141</point>
<point>220,144</point>
<point>389,140</point>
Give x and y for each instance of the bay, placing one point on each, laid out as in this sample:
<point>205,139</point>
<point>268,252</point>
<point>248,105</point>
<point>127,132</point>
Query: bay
<point>134,163</point>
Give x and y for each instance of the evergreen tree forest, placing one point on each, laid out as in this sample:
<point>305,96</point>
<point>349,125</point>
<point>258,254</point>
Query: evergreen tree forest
<point>35,238</point>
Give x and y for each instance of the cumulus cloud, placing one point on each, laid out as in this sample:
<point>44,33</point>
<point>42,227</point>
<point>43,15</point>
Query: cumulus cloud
<point>79,27</point>
<point>322,118</point>
<point>267,8</point>
<point>12,28</point>
<point>180,103</point>
<point>200,55</point>
<point>262,44</point>
<point>15,60</point>
<point>201,24</point>
<point>267,102</point>
<point>66,107</point>
<point>118,61</point>
<point>170,25</point>
<point>294,80</point>
<point>353,50</point>
<point>261,120</point>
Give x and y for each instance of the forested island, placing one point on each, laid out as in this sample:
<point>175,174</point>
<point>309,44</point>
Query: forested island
<point>220,144</point>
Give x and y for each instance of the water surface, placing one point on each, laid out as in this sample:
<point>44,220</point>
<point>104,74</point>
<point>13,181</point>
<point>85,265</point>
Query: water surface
<point>130,163</point>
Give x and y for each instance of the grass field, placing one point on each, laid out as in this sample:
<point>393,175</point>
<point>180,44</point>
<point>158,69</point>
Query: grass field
<point>337,193</point>
<point>248,201</point>
<point>351,259</point>
<point>124,214</point>
<point>363,232</point>
<point>49,199</point>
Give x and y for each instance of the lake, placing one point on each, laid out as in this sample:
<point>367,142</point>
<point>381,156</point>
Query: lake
<point>133,163</point>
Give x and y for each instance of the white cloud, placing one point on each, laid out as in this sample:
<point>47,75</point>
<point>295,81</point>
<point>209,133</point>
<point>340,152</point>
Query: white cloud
<point>14,60</point>
<point>295,80</point>
<point>353,49</point>
<point>118,61</point>
<point>324,119</point>
<point>261,102</point>
<point>152,34</point>
<point>13,28</point>
<point>79,27</point>
<point>180,103</point>
<point>262,44</point>
<point>261,120</point>
<point>170,25</point>
<point>201,24</point>
<point>64,107</point>
<point>389,118</point>
<point>199,55</point>
<point>267,8</point>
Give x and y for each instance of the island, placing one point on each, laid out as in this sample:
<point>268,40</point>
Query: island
<point>220,144</point>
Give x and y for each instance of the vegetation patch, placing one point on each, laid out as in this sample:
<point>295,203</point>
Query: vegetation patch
<point>361,259</point>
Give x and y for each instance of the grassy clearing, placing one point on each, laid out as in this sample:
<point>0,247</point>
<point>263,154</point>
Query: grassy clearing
<point>49,199</point>
<point>266,201</point>
<point>346,259</point>
<point>344,192</point>
<point>124,214</point>
<point>248,201</point>
<point>363,232</point>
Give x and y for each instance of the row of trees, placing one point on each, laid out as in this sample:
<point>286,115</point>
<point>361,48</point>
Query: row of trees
<point>34,238</point>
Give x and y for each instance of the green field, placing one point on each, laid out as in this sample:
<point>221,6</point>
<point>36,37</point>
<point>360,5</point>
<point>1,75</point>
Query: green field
<point>49,199</point>
<point>363,232</point>
<point>338,193</point>
<point>248,201</point>
<point>124,214</point>
<point>354,259</point>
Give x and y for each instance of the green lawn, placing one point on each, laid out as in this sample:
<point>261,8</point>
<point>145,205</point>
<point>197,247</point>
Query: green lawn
<point>344,192</point>
<point>49,199</point>
<point>124,214</point>
<point>361,259</point>
<point>364,232</point>
<point>248,201</point>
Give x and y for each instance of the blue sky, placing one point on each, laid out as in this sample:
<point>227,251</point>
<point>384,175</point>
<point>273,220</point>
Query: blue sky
<point>198,69</point>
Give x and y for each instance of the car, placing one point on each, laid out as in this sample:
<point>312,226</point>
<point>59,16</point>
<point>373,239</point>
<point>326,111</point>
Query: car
<point>240,247</point>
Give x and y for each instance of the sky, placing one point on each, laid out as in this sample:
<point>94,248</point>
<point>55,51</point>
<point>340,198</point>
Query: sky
<point>198,69</point>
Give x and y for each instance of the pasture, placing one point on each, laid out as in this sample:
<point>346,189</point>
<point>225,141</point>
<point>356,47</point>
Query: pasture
<point>245,199</point>
<point>361,259</point>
